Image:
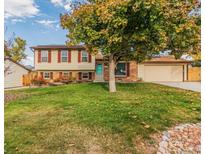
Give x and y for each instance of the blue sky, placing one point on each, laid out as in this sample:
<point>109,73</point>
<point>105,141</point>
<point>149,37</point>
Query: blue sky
<point>36,21</point>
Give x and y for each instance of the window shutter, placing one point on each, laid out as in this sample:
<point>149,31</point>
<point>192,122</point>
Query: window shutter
<point>59,56</point>
<point>79,56</point>
<point>41,75</point>
<point>69,56</point>
<point>90,75</point>
<point>39,56</point>
<point>89,57</point>
<point>60,75</point>
<point>79,76</point>
<point>49,56</point>
<point>51,75</point>
<point>128,69</point>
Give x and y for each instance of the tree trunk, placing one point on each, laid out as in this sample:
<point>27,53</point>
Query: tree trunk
<point>112,85</point>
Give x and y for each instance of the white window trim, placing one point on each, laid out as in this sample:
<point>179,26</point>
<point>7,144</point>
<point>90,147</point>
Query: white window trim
<point>64,75</point>
<point>44,57</point>
<point>64,56</point>
<point>84,56</point>
<point>125,70</point>
<point>46,77</point>
<point>87,75</point>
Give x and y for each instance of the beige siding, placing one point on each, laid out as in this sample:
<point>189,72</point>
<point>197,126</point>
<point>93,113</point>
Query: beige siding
<point>54,65</point>
<point>162,72</point>
<point>14,77</point>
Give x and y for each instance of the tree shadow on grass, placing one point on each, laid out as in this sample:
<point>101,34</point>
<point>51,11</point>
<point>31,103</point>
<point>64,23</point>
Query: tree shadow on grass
<point>105,86</point>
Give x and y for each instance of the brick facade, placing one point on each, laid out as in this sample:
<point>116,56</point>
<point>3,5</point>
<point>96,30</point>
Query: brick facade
<point>73,75</point>
<point>132,73</point>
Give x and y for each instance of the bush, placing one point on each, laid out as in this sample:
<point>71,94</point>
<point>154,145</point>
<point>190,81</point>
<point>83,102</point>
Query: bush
<point>57,80</point>
<point>38,81</point>
<point>196,63</point>
<point>71,78</point>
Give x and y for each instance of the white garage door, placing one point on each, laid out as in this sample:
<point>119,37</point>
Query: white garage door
<point>163,73</point>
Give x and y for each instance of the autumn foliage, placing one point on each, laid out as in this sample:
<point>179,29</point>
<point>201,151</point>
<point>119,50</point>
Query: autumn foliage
<point>134,30</point>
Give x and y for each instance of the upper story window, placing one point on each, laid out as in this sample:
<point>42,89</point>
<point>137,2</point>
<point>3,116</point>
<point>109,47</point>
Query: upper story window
<point>64,55</point>
<point>121,69</point>
<point>44,55</point>
<point>84,56</point>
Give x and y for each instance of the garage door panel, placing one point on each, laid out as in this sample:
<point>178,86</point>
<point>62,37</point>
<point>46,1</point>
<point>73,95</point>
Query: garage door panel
<point>163,73</point>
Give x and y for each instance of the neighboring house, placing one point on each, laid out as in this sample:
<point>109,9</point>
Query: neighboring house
<point>13,73</point>
<point>54,62</point>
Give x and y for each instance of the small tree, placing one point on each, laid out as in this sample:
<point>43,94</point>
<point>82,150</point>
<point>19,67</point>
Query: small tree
<point>132,30</point>
<point>14,48</point>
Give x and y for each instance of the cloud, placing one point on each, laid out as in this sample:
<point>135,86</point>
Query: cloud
<point>47,23</point>
<point>57,2</point>
<point>57,27</point>
<point>20,8</point>
<point>13,21</point>
<point>66,4</point>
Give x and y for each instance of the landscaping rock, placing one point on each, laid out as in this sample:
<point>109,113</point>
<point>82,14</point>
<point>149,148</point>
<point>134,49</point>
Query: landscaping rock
<point>184,138</point>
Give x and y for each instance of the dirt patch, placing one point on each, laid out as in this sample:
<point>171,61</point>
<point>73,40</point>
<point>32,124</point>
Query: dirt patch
<point>148,146</point>
<point>14,96</point>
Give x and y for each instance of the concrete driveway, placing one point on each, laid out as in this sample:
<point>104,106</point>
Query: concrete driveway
<point>194,86</point>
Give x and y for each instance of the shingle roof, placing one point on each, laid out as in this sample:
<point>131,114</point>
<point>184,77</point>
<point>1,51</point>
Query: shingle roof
<point>8,58</point>
<point>58,47</point>
<point>166,59</point>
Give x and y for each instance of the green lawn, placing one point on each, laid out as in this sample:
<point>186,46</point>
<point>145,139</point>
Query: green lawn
<point>86,118</point>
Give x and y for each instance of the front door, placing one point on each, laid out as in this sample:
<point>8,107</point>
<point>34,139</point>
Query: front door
<point>99,72</point>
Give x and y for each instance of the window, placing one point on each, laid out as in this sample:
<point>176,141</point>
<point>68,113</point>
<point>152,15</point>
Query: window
<point>65,75</point>
<point>121,69</point>
<point>46,75</point>
<point>85,75</point>
<point>44,55</point>
<point>64,56</point>
<point>84,56</point>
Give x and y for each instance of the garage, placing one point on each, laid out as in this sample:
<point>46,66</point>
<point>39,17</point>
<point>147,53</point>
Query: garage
<point>163,73</point>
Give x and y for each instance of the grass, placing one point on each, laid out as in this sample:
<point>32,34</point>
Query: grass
<point>86,118</point>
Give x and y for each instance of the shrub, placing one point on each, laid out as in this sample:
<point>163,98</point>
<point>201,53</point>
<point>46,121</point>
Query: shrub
<point>38,81</point>
<point>71,78</point>
<point>57,80</point>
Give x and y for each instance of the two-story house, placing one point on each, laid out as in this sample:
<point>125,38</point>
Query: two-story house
<point>55,62</point>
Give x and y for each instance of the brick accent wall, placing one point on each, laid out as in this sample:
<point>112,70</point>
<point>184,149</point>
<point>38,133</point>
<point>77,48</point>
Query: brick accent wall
<point>106,72</point>
<point>56,75</point>
<point>132,73</point>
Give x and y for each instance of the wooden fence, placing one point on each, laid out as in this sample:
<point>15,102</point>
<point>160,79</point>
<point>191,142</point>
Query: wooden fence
<point>194,74</point>
<point>27,78</point>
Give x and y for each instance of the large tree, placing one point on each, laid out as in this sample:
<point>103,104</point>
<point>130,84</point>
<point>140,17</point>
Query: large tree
<point>132,29</point>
